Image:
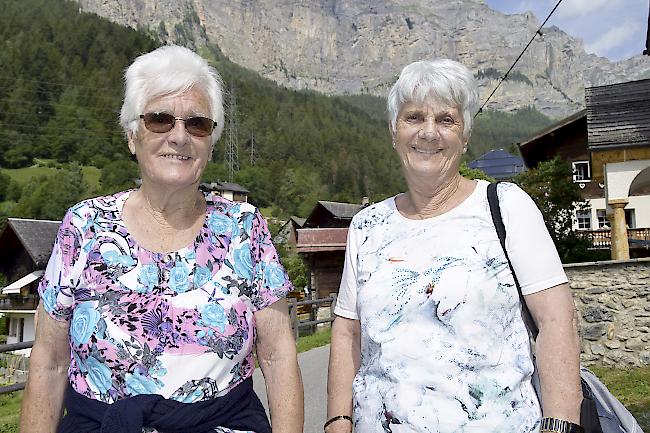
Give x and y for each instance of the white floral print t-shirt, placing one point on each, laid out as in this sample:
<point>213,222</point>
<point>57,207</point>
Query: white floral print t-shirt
<point>443,344</point>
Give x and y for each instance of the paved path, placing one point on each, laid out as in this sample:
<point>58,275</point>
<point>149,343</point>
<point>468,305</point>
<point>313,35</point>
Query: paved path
<point>313,365</point>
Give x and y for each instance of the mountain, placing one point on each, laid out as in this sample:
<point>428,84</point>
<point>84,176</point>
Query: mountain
<point>359,46</point>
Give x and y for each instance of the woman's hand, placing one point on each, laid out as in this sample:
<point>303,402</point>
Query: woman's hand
<point>276,354</point>
<point>345,356</point>
<point>557,350</point>
<point>48,376</point>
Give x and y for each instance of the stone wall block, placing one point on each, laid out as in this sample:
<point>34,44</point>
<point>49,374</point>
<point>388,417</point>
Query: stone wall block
<point>644,357</point>
<point>598,349</point>
<point>596,313</point>
<point>619,358</point>
<point>628,303</point>
<point>585,299</point>
<point>638,278</point>
<point>578,284</point>
<point>593,332</point>
<point>595,290</point>
<point>636,344</point>
<point>589,359</point>
<point>642,323</point>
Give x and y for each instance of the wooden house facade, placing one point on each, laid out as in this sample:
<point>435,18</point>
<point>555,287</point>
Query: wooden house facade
<point>25,248</point>
<point>322,242</point>
<point>608,145</point>
<point>231,191</point>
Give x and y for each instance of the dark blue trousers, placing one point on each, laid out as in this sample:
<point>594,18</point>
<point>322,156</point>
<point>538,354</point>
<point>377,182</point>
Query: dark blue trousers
<point>240,409</point>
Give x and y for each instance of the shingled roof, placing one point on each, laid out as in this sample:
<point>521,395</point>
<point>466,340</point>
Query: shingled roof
<point>618,115</point>
<point>341,210</point>
<point>37,236</point>
<point>499,164</point>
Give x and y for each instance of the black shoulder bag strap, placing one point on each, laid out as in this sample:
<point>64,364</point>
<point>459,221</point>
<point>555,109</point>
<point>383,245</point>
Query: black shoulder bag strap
<point>495,211</point>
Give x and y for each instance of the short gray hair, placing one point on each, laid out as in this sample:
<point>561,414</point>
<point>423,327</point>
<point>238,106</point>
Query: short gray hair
<point>169,70</point>
<point>442,79</point>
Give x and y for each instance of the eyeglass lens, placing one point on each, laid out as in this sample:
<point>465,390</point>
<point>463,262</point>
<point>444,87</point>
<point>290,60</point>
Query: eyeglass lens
<point>164,122</point>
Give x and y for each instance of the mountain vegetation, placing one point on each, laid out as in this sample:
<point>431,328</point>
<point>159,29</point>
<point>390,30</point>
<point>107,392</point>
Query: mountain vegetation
<point>60,95</point>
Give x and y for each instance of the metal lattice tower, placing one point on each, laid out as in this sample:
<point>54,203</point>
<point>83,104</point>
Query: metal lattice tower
<point>253,157</point>
<point>231,148</point>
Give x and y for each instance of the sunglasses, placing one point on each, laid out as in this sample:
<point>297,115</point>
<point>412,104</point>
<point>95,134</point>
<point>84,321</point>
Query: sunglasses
<point>164,122</point>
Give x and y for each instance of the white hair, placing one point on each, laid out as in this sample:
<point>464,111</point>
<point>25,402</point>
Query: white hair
<point>442,79</point>
<point>169,70</point>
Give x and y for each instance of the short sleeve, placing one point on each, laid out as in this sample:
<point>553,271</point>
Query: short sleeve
<point>62,274</point>
<point>530,247</point>
<point>270,280</point>
<point>346,302</point>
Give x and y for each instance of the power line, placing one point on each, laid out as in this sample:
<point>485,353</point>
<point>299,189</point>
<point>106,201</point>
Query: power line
<point>538,32</point>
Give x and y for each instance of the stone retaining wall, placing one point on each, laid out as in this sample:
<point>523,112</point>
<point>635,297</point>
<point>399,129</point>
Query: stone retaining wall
<point>613,302</point>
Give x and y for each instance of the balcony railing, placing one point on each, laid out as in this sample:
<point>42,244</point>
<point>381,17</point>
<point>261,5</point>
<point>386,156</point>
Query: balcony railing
<point>602,238</point>
<point>19,303</point>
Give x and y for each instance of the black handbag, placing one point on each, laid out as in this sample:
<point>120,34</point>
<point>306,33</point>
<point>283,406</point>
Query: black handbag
<point>600,411</point>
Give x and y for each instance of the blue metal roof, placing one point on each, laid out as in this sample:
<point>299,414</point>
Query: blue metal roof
<point>499,164</point>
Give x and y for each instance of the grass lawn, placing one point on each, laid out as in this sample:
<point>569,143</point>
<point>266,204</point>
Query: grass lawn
<point>23,175</point>
<point>320,338</point>
<point>10,411</point>
<point>632,388</point>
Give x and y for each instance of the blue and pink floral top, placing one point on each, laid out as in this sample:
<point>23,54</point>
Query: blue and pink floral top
<point>176,324</point>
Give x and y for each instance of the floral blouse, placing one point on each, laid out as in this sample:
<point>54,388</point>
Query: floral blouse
<point>176,324</point>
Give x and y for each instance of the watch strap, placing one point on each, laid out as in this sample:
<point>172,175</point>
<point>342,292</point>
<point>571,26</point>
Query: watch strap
<point>556,425</point>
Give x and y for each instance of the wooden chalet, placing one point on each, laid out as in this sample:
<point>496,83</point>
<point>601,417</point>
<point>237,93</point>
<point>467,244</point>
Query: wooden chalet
<point>288,233</point>
<point>322,242</point>
<point>25,246</point>
<point>608,145</point>
<point>231,191</point>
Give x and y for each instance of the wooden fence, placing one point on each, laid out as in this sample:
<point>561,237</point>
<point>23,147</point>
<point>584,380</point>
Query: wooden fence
<point>304,314</point>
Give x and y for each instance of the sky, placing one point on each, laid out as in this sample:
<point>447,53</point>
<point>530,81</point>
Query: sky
<point>615,29</point>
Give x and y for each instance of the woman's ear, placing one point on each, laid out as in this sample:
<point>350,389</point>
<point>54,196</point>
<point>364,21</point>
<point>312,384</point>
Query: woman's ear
<point>131,140</point>
<point>391,130</point>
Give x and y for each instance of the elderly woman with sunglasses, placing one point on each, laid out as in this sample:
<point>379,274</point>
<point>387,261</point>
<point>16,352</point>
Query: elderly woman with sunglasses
<point>428,335</point>
<point>154,299</point>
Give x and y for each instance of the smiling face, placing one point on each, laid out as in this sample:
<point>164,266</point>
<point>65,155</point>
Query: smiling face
<point>174,159</point>
<point>429,140</point>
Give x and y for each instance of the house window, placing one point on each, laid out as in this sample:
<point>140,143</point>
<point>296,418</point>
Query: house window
<point>581,171</point>
<point>21,329</point>
<point>602,218</point>
<point>630,218</point>
<point>584,219</point>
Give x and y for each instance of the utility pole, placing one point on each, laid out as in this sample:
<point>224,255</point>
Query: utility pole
<point>647,39</point>
<point>252,148</point>
<point>232,149</point>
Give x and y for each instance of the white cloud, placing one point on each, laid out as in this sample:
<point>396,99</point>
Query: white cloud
<point>580,8</point>
<point>614,38</point>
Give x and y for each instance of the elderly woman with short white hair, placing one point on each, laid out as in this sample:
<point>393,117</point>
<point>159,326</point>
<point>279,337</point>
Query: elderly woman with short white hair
<point>154,299</point>
<point>428,335</point>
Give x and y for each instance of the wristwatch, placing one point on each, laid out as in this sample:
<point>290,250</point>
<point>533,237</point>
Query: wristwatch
<point>555,425</point>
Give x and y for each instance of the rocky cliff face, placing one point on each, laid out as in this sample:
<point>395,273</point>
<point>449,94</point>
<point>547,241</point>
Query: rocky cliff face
<point>359,46</point>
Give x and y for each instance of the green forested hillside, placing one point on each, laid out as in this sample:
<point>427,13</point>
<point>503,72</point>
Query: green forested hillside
<point>60,94</point>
